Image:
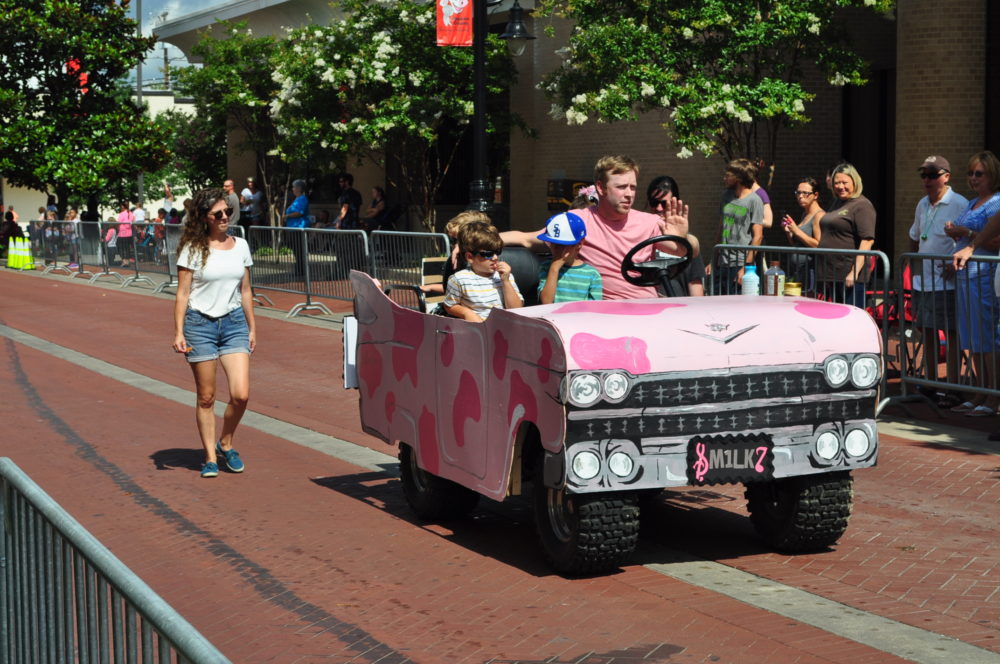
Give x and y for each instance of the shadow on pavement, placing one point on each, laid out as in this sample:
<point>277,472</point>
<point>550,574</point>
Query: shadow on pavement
<point>501,531</point>
<point>178,458</point>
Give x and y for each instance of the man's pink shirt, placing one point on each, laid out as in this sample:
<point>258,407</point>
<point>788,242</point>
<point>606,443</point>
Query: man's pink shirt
<point>608,242</point>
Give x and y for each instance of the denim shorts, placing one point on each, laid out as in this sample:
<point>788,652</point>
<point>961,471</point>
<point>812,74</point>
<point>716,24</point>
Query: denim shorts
<point>211,337</point>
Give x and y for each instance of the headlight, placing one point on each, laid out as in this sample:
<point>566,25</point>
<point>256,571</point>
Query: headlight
<point>621,464</point>
<point>836,371</point>
<point>586,465</point>
<point>584,389</point>
<point>615,386</point>
<point>864,371</point>
<point>857,443</point>
<point>827,445</point>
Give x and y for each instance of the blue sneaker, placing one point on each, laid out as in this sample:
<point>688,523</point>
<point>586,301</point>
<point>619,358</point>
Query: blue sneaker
<point>209,469</point>
<point>233,461</point>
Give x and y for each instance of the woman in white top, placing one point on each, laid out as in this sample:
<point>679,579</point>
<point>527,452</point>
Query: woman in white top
<point>213,320</point>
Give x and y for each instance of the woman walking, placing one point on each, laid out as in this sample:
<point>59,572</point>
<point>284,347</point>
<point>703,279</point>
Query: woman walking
<point>213,320</point>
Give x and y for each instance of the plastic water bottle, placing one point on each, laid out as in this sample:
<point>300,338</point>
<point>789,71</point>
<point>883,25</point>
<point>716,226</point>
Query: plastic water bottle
<point>751,282</point>
<point>774,280</point>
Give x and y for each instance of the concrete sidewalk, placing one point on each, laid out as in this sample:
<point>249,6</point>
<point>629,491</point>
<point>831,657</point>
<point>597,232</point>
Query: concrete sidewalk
<point>312,555</point>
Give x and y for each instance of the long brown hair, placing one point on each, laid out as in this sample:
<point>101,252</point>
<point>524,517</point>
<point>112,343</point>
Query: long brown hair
<point>197,227</point>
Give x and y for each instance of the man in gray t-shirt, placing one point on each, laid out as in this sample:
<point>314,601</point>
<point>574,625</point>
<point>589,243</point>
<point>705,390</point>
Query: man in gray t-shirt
<point>742,223</point>
<point>232,201</point>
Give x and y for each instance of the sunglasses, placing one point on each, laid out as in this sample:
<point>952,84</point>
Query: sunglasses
<point>931,176</point>
<point>976,174</point>
<point>657,203</point>
<point>488,255</point>
<point>804,193</point>
<point>219,214</point>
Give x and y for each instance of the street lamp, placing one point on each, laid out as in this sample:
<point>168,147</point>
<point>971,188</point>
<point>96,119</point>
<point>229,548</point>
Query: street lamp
<point>517,35</point>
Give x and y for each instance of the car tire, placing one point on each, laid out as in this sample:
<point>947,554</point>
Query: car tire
<point>585,533</point>
<point>798,514</point>
<point>432,498</point>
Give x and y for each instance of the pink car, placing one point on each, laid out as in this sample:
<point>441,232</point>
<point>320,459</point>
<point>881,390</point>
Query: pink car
<point>588,405</point>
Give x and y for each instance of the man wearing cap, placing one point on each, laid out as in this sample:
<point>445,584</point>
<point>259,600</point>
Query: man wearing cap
<point>566,278</point>
<point>614,227</point>
<point>934,280</point>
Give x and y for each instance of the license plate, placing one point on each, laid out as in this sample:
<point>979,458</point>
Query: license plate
<point>730,459</point>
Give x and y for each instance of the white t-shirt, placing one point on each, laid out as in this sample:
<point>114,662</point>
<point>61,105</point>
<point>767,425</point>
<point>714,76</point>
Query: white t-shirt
<point>139,215</point>
<point>252,207</point>
<point>215,289</point>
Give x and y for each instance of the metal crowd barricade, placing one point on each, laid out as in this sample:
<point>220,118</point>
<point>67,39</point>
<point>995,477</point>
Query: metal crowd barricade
<point>876,295</point>
<point>312,262</point>
<point>398,258</point>
<point>65,598</point>
<point>948,317</point>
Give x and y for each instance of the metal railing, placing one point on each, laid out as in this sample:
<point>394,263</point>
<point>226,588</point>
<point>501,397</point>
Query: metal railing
<point>312,262</point>
<point>65,598</point>
<point>398,258</point>
<point>817,268</point>
<point>947,317</point>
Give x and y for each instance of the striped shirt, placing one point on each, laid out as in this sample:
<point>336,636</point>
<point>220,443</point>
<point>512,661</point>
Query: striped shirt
<point>481,294</point>
<point>579,282</point>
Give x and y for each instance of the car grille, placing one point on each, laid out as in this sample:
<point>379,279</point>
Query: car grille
<point>653,391</point>
<point>738,402</point>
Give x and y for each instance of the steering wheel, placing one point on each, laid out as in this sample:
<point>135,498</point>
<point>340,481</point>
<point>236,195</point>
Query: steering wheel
<point>659,271</point>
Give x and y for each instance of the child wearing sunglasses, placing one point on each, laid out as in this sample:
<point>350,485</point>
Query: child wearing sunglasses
<point>566,278</point>
<point>486,283</point>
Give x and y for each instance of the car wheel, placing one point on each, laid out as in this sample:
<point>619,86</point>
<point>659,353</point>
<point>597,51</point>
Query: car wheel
<point>432,498</point>
<point>805,513</point>
<point>585,533</point>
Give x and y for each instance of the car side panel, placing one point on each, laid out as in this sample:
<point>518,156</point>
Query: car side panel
<point>457,391</point>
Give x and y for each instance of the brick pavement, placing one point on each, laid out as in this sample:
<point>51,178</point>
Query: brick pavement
<point>306,558</point>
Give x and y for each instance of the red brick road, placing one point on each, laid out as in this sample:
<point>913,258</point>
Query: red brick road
<point>306,558</point>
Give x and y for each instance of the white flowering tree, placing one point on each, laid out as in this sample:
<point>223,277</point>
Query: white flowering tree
<point>727,75</point>
<point>233,87</point>
<point>375,85</point>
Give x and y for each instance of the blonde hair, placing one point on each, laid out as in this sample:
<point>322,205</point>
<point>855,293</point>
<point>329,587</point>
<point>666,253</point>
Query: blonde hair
<point>851,172</point>
<point>461,219</point>
<point>614,165</point>
<point>991,166</point>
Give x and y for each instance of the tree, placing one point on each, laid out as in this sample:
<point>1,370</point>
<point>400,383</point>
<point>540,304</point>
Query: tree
<point>729,74</point>
<point>66,122</point>
<point>234,86</point>
<point>376,85</point>
<point>199,151</point>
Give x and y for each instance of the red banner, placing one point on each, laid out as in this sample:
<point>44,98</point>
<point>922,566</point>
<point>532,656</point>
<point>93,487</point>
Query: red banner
<point>454,22</point>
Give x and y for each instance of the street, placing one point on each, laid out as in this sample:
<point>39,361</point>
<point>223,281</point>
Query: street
<point>312,554</point>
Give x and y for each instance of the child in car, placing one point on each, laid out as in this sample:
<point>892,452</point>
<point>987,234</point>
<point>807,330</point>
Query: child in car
<point>486,283</point>
<point>566,278</point>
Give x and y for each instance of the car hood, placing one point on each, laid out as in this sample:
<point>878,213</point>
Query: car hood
<point>692,333</point>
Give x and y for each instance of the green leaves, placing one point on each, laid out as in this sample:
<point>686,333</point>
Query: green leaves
<point>729,75</point>
<point>378,80</point>
<point>57,130</point>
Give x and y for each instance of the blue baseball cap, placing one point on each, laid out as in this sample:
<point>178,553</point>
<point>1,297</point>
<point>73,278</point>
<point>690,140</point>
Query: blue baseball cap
<point>564,228</point>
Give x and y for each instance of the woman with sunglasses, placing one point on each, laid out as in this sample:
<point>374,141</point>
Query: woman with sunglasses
<point>213,320</point>
<point>805,233</point>
<point>976,303</point>
<point>691,281</point>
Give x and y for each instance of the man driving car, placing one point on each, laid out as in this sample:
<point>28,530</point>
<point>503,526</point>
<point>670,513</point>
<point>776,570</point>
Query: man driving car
<point>614,227</point>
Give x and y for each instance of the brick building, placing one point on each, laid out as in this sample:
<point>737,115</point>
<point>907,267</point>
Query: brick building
<point>933,86</point>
